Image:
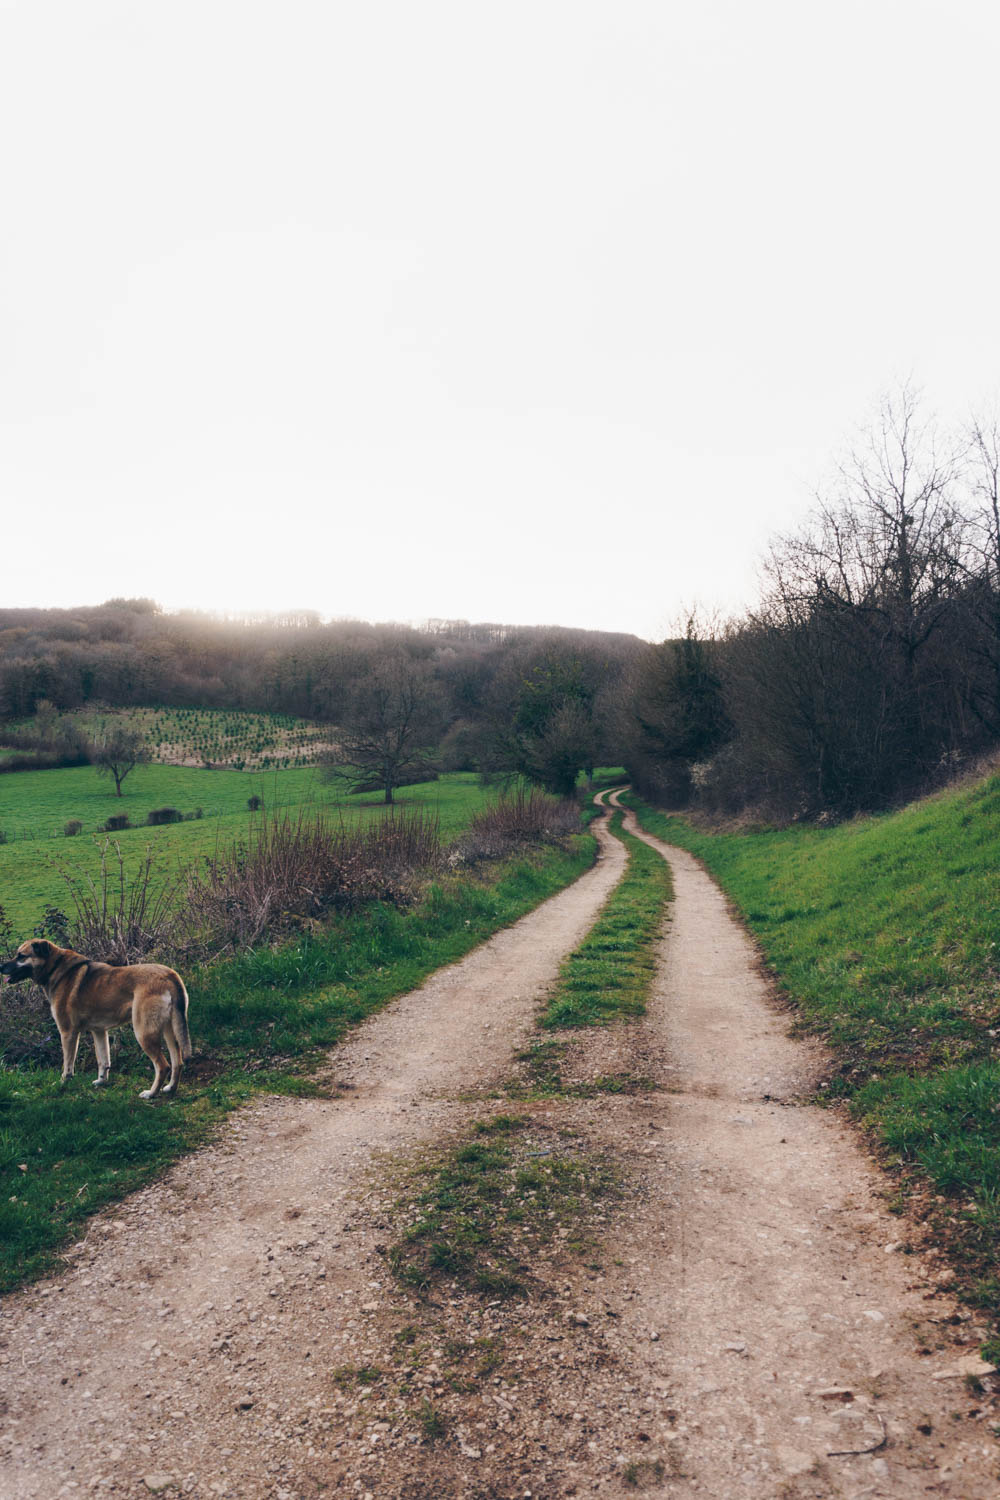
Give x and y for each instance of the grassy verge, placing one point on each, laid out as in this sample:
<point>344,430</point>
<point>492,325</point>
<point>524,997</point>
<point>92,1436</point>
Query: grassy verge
<point>257,1023</point>
<point>885,933</point>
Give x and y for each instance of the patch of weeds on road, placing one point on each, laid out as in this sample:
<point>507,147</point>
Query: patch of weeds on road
<point>489,1206</point>
<point>490,1234</point>
<point>542,1077</point>
<point>346,1376</point>
<point>431,1421</point>
<point>488,1353</point>
<point>609,976</point>
<point>642,1473</point>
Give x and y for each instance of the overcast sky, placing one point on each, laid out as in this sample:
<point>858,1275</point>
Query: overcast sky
<point>535,312</point>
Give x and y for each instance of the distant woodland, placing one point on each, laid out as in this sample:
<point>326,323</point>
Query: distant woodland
<point>867,672</point>
<point>543,701</point>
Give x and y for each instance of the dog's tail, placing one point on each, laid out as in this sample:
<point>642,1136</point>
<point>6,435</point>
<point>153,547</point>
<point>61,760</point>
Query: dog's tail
<point>180,1011</point>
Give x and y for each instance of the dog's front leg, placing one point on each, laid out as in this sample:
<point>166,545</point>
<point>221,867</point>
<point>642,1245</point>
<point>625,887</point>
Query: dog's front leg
<point>70,1044</point>
<point>103,1054</point>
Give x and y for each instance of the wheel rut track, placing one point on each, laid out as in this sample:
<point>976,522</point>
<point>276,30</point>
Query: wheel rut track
<point>777,1284</point>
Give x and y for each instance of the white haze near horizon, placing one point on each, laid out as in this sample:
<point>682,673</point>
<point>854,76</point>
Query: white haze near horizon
<point>538,312</point>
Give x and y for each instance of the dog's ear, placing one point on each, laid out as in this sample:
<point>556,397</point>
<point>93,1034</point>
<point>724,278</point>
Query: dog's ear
<point>42,948</point>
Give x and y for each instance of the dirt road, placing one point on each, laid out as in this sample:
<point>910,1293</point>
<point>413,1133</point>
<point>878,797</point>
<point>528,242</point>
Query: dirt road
<point>192,1345</point>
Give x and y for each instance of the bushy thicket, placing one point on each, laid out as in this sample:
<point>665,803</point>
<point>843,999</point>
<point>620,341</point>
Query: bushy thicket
<point>47,741</point>
<point>157,816</point>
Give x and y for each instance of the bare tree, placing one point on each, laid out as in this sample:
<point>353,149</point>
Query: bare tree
<point>117,750</point>
<point>889,542</point>
<point>393,717</point>
<point>847,684</point>
<point>982,593</point>
<point>883,564</point>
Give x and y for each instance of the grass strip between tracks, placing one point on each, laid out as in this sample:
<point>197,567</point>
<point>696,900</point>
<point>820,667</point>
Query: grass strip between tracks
<point>480,1197</point>
<point>489,1204</point>
<point>608,977</point>
<point>604,980</point>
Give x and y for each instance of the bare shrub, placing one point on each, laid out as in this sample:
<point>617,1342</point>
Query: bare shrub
<point>72,828</point>
<point>116,823</point>
<point>122,918</point>
<point>56,926</point>
<point>158,815</point>
<point>292,869</point>
<point>517,817</point>
<point>27,1031</point>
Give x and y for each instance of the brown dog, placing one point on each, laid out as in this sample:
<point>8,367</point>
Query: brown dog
<point>87,995</point>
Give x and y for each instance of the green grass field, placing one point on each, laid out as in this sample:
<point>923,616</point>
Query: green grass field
<point>885,931</point>
<point>40,803</point>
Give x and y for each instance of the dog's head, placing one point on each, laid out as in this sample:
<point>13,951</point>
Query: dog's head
<point>33,960</point>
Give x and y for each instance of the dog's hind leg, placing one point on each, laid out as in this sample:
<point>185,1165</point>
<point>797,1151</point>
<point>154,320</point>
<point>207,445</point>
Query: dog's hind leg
<point>103,1054</point>
<point>176,1062</point>
<point>70,1045</point>
<point>151,1043</point>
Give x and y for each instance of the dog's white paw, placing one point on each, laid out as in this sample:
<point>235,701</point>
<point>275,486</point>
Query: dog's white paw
<point>100,1083</point>
<point>147,1094</point>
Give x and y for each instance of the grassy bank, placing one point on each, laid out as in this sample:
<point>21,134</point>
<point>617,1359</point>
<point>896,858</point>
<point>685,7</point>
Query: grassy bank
<point>886,934</point>
<point>257,1023</point>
